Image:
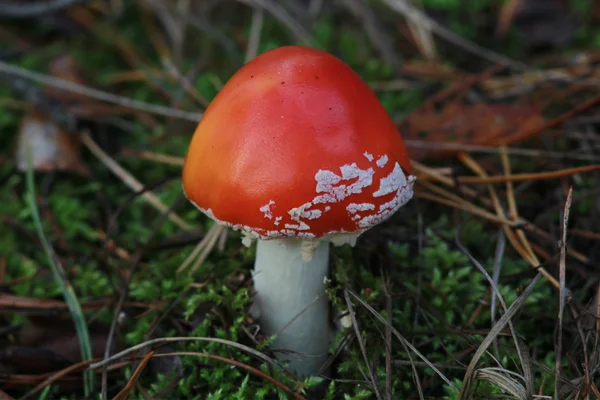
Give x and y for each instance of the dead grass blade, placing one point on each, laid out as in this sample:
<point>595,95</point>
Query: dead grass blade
<point>23,303</point>
<point>465,206</point>
<point>108,34</point>
<point>172,22</point>
<point>258,17</point>
<point>126,391</point>
<point>506,380</point>
<point>157,38</point>
<point>526,367</point>
<point>131,181</point>
<point>586,378</point>
<point>514,151</point>
<point>241,347</point>
<point>203,249</point>
<point>216,232</point>
<point>386,288</point>
<point>156,157</point>
<point>418,17</point>
<point>282,15</point>
<point>512,310</point>
<point>402,339</point>
<point>500,246</point>
<point>413,367</point>
<point>56,376</point>
<point>441,178</point>
<point>534,176</point>
<point>432,174</point>
<point>361,344</point>
<point>423,36</point>
<point>98,94</point>
<point>513,211</point>
<point>524,251</point>
<point>373,28</point>
<point>562,270</point>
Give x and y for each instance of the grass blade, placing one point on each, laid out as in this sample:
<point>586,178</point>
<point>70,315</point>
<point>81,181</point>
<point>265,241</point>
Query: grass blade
<point>562,290</point>
<point>512,310</point>
<point>61,279</point>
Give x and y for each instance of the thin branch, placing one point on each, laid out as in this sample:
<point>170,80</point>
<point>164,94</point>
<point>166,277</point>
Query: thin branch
<point>373,28</point>
<point>402,339</point>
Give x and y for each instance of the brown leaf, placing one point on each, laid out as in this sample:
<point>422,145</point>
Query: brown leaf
<point>50,146</point>
<point>469,124</point>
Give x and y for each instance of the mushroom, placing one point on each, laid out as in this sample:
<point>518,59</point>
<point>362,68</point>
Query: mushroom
<point>296,151</point>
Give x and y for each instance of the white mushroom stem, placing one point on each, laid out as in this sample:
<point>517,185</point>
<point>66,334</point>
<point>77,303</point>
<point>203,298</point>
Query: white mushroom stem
<point>291,301</point>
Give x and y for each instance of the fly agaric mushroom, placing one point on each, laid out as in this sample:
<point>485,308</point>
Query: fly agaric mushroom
<point>296,151</point>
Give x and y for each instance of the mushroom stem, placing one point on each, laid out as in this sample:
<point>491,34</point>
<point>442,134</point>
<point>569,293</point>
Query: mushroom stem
<point>291,302</point>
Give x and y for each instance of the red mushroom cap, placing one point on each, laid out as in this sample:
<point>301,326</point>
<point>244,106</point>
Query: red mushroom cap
<point>297,145</point>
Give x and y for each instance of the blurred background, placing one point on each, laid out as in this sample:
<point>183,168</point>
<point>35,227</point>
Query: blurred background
<point>484,286</point>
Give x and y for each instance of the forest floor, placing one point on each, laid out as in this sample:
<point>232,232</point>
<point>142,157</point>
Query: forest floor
<point>485,285</point>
